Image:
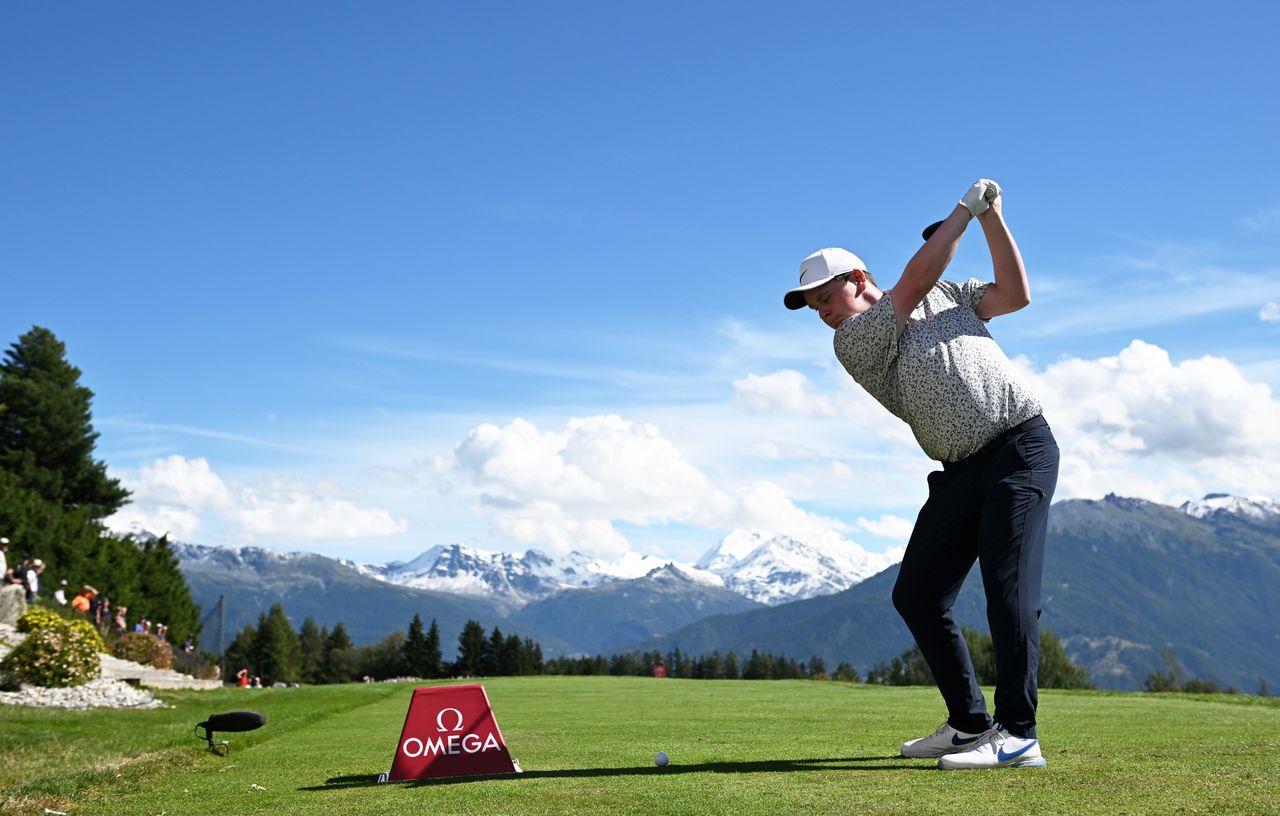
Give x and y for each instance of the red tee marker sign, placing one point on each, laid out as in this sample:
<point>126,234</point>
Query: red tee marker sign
<point>450,731</point>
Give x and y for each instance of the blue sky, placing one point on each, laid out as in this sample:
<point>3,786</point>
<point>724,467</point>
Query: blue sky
<point>366,279</point>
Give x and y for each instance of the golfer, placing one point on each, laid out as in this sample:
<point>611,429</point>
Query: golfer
<point>923,351</point>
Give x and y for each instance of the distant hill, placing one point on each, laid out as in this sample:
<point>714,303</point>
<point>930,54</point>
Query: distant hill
<point>1123,579</point>
<point>588,620</point>
<point>610,616</point>
<point>308,585</point>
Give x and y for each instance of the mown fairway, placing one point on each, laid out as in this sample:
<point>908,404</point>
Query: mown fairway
<point>587,746</point>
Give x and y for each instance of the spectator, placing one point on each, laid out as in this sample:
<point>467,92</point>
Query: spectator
<point>162,631</point>
<point>60,595</point>
<point>118,624</point>
<point>33,579</point>
<point>242,677</point>
<point>189,645</point>
<point>101,610</point>
<point>5,576</point>
<point>18,572</point>
<point>84,602</point>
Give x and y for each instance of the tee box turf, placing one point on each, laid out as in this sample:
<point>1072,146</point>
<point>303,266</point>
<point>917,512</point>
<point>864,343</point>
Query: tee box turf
<point>450,731</point>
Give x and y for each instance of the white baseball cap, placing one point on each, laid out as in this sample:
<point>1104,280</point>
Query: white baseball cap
<point>819,268</point>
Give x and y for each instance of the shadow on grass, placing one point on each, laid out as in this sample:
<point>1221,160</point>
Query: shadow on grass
<point>869,763</point>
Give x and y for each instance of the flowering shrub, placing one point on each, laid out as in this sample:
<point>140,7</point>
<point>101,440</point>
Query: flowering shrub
<point>37,618</point>
<point>89,631</point>
<point>53,656</point>
<point>147,649</point>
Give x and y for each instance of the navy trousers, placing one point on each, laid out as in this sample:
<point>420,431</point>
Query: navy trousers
<point>992,508</point>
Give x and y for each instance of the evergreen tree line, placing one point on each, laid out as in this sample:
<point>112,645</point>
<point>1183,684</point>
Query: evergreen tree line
<point>273,651</point>
<point>1055,669</point>
<point>758,666</point>
<point>54,494</point>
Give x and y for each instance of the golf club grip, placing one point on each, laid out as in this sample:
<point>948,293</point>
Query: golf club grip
<point>930,230</point>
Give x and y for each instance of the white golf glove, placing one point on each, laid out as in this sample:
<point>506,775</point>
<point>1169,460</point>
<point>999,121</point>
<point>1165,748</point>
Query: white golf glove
<point>979,196</point>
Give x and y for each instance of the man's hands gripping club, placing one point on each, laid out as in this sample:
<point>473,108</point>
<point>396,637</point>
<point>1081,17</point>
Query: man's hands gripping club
<point>979,196</point>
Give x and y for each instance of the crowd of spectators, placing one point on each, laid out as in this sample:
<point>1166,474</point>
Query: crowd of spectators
<point>26,572</point>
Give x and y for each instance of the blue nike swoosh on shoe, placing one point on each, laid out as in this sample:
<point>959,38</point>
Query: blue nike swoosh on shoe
<point>955,739</point>
<point>1003,757</point>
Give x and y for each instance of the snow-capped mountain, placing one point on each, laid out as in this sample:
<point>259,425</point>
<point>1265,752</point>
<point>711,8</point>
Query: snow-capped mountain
<point>1257,509</point>
<point>775,569</point>
<point>516,579</point>
<point>765,568</point>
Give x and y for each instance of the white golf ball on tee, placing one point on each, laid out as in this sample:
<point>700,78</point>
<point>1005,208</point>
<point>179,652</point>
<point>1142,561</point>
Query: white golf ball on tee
<point>661,759</point>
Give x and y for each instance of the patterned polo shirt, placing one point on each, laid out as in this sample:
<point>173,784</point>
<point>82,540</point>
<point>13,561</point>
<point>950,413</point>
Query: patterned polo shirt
<point>944,375</point>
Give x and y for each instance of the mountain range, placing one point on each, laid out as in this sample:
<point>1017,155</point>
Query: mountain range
<point>762,567</point>
<point>1123,579</point>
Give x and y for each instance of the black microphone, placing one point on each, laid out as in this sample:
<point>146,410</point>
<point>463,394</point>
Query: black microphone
<point>229,721</point>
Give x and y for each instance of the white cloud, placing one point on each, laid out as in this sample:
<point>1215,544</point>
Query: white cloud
<point>184,497</point>
<point>294,511</point>
<point>887,526</point>
<point>1139,425</point>
<point>177,481</point>
<point>546,524</point>
<point>783,391</point>
<point>601,466</point>
<point>766,506</point>
<point>568,489</point>
<point>1270,313</point>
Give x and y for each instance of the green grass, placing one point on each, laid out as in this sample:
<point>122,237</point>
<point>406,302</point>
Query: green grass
<point>587,746</point>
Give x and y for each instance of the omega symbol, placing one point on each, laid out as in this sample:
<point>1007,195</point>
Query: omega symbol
<point>440,720</point>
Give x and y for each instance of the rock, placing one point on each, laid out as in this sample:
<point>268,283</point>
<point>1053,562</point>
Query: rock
<point>13,603</point>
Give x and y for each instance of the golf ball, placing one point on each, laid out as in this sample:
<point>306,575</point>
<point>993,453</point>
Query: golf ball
<point>661,759</point>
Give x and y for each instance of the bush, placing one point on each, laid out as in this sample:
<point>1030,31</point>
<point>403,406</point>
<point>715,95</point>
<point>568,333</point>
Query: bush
<point>147,649</point>
<point>53,656</point>
<point>37,618</point>
<point>91,632</point>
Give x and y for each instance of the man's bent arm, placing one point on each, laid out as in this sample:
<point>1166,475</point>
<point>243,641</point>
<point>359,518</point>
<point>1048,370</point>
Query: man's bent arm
<point>927,265</point>
<point>1011,291</point>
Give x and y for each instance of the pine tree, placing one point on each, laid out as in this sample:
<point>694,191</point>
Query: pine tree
<point>340,659</point>
<point>493,650</point>
<point>46,431</point>
<point>66,540</point>
<point>846,673</point>
<point>163,586</point>
<point>384,659</point>
<point>817,668</point>
<point>432,667</point>
<point>533,657</point>
<point>311,641</point>
<point>240,654</point>
<point>279,652</point>
<point>413,657</point>
<point>512,661</point>
<point>471,649</point>
<point>732,670</point>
